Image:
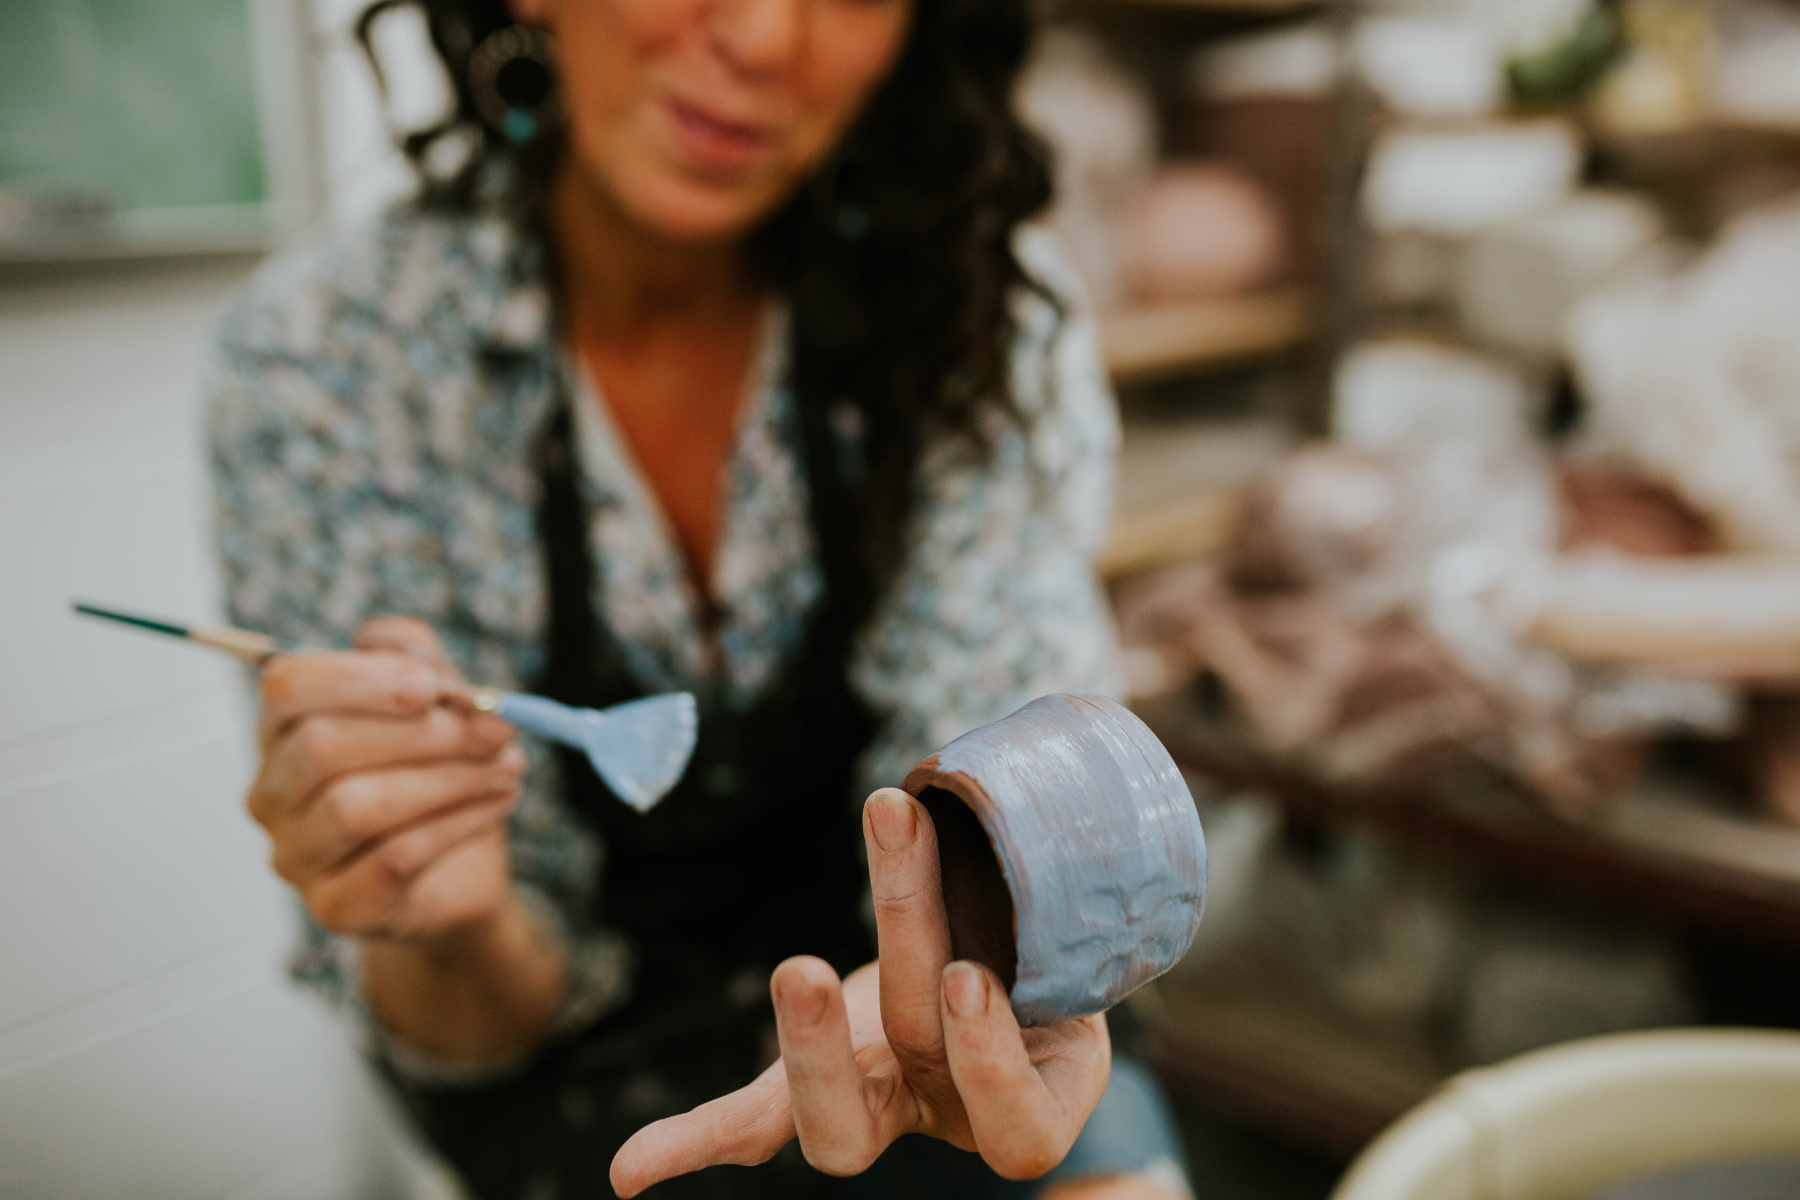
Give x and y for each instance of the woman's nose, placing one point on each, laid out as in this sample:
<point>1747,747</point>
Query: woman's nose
<point>759,36</point>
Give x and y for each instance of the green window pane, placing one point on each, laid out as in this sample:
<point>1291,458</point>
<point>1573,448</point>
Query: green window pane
<point>146,103</point>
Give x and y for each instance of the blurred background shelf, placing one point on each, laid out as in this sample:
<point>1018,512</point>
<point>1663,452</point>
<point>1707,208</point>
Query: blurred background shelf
<point>1170,531</point>
<point>1686,154</point>
<point>1148,344</point>
<point>1666,849</point>
<point>225,230</point>
<point>1231,7</point>
<point>1181,486</point>
<point>1711,131</point>
<point>1243,1040</point>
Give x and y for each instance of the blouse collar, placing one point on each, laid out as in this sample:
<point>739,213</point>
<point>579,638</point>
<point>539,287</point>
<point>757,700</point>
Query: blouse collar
<point>764,571</point>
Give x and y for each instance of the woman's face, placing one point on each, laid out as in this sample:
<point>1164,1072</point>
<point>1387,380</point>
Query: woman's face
<point>698,118</point>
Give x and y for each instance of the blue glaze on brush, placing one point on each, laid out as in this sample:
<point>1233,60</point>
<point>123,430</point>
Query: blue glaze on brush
<point>639,748</point>
<point>1100,845</point>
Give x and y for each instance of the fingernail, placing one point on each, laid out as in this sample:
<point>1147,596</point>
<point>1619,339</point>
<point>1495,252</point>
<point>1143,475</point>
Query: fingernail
<point>892,819</point>
<point>965,990</point>
<point>513,757</point>
<point>804,1005</point>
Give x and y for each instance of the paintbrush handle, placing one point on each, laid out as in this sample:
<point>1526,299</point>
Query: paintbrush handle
<point>256,649</point>
<point>242,644</point>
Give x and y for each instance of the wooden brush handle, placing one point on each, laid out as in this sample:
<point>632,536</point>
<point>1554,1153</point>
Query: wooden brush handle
<point>241,644</point>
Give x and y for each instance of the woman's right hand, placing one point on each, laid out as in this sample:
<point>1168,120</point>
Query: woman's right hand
<point>386,807</point>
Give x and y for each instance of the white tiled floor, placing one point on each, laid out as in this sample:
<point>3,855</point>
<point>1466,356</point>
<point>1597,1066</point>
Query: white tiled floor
<point>149,1046</point>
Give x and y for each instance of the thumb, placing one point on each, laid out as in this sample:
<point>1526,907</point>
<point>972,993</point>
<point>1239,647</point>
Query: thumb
<point>744,1128</point>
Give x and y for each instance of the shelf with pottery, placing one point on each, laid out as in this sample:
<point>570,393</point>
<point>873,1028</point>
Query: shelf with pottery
<point>1238,1035</point>
<point>1154,342</point>
<point>1727,617</point>
<point>1696,149</point>
<point>1721,127</point>
<point>1180,487</point>
<point>1176,529</point>
<point>1232,7</point>
<point>1668,848</point>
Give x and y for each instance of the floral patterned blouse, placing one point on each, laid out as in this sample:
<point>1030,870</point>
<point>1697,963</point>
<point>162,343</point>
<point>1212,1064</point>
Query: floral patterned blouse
<point>371,410</point>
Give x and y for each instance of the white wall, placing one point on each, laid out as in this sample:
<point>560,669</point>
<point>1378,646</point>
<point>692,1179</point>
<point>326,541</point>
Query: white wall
<point>363,170</point>
<point>149,1044</point>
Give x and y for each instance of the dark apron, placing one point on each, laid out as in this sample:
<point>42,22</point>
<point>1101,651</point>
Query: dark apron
<point>754,857</point>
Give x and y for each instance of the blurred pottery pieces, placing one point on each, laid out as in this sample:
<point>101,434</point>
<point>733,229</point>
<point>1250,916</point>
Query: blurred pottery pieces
<point>1775,743</point>
<point>1073,861</point>
<point>1517,282</point>
<point>1756,71</point>
<point>1604,506</point>
<point>1390,393</point>
<point>1728,616</point>
<point>1201,230</point>
<point>1459,181</point>
<point>1424,66</point>
<point>1262,102</point>
<point>1693,378</point>
<point>1101,120</point>
<point>1662,83</point>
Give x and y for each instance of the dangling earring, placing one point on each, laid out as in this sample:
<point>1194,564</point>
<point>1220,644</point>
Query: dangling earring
<point>512,79</point>
<point>847,217</point>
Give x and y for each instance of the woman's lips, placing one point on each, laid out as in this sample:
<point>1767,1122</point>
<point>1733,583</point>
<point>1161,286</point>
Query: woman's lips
<point>714,142</point>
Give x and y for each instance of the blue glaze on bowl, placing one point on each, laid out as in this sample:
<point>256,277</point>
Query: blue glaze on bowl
<point>1098,840</point>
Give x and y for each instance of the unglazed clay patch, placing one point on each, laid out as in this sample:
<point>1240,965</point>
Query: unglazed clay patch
<point>1093,833</point>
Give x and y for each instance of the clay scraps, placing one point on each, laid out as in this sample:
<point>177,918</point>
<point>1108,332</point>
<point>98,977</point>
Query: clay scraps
<point>1372,621</point>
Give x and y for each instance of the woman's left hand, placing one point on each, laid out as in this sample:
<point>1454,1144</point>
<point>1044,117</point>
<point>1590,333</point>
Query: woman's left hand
<point>912,1043</point>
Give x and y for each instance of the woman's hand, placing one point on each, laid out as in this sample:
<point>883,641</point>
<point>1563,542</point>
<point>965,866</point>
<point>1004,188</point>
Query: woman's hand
<point>386,808</point>
<point>911,1044</point>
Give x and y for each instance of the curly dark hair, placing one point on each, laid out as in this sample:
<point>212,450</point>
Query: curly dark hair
<point>896,256</point>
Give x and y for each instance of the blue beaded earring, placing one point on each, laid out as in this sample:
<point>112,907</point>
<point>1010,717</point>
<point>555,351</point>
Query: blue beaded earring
<point>512,79</point>
<point>833,193</point>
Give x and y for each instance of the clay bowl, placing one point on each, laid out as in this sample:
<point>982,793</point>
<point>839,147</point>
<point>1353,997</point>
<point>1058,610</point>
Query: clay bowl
<point>1073,861</point>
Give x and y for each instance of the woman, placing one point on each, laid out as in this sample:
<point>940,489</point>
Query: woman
<point>714,358</point>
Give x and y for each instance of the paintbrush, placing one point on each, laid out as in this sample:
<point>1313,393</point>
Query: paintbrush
<point>640,748</point>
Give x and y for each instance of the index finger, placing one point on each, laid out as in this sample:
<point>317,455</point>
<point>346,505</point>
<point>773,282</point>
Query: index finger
<point>403,635</point>
<point>372,682</point>
<point>746,1128</point>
